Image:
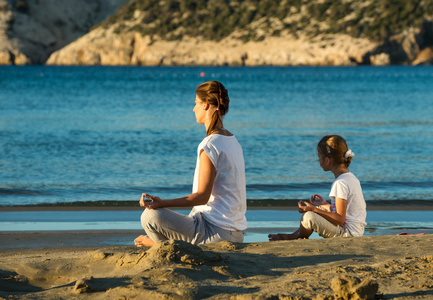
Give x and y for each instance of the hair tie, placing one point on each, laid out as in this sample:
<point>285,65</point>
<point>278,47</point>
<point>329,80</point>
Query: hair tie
<point>348,154</point>
<point>328,149</point>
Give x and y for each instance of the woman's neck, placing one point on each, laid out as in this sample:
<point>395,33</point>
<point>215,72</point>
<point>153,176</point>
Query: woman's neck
<point>218,125</point>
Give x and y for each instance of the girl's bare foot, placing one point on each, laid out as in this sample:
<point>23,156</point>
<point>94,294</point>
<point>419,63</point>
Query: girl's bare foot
<point>144,241</point>
<point>282,237</point>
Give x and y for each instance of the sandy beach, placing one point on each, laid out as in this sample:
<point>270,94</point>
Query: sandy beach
<point>54,260</point>
<point>370,267</point>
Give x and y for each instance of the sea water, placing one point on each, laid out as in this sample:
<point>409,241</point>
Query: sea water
<point>79,134</point>
<point>73,134</point>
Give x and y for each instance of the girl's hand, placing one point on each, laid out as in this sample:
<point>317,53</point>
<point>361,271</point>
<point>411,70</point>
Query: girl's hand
<point>155,202</point>
<point>318,200</point>
<point>304,206</point>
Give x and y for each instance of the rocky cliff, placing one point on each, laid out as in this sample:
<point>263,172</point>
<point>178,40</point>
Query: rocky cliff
<point>106,47</point>
<point>31,30</point>
<point>250,33</point>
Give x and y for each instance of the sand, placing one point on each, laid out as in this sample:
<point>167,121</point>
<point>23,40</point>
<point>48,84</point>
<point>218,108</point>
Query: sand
<point>381,267</point>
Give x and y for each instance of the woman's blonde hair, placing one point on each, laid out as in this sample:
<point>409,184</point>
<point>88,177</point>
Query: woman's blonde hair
<point>215,94</point>
<point>335,147</point>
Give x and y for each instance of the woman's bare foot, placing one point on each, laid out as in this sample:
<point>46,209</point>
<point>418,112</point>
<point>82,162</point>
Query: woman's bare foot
<point>282,237</point>
<point>144,241</point>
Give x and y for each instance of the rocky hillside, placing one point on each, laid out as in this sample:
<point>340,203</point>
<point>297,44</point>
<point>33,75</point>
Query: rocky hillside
<point>30,30</point>
<point>256,32</point>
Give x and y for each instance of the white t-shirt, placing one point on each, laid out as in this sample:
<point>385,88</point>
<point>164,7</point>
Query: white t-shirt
<point>348,187</point>
<point>227,204</point>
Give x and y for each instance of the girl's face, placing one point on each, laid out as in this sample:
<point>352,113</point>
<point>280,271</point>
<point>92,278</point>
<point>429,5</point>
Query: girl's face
<point>324,161</point>
<point>199,110</point>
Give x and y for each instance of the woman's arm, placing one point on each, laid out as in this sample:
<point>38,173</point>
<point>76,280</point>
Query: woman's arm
<point>206,177</point>
<point>337,218</point>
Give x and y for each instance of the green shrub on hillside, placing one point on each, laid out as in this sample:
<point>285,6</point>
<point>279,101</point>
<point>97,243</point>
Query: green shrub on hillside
<point>216,19</point>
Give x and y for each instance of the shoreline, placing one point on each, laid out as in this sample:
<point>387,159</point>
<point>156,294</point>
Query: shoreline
<point>85,239</point>
<point>38,227</point>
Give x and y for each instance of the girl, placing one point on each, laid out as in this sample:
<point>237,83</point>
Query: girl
<point>219,191</point>
<point>345,216</point>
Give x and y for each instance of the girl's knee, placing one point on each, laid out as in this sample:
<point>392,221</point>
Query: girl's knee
<point>308,220</point>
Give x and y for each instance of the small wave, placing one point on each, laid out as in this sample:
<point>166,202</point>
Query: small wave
<point>251,203</point>
<point>23,192</point>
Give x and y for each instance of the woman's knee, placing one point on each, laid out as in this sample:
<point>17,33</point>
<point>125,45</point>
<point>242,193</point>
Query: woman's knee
<point>150,216</point>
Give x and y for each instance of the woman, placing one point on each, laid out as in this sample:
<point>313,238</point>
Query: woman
<point>219,193</point>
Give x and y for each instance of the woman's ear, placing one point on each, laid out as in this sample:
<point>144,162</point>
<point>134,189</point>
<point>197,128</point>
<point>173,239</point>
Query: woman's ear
<point>206,106</point>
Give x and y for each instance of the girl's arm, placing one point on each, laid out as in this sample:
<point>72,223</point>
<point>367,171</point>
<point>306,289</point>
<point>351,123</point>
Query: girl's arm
<point>206,177</point>
<point>337,218</point>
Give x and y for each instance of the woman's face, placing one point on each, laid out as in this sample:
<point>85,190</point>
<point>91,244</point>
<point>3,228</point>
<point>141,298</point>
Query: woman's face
<point>199,110</point>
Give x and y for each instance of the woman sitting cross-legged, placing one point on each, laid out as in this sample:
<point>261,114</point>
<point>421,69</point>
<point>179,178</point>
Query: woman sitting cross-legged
<point>218,200</point>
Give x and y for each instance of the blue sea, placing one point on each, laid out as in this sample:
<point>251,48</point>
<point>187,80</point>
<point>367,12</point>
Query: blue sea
<point>80,134</point>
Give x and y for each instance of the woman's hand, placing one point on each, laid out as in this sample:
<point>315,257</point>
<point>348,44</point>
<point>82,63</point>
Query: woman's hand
<point>155,202</point>
<point>318,200</point>
<point>206,178</point>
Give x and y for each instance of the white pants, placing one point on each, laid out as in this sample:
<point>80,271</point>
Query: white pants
<point>164,224</point>
<point>312,221</point>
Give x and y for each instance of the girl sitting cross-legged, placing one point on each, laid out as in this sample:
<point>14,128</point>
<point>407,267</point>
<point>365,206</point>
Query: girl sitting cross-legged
<point>345,216</point>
